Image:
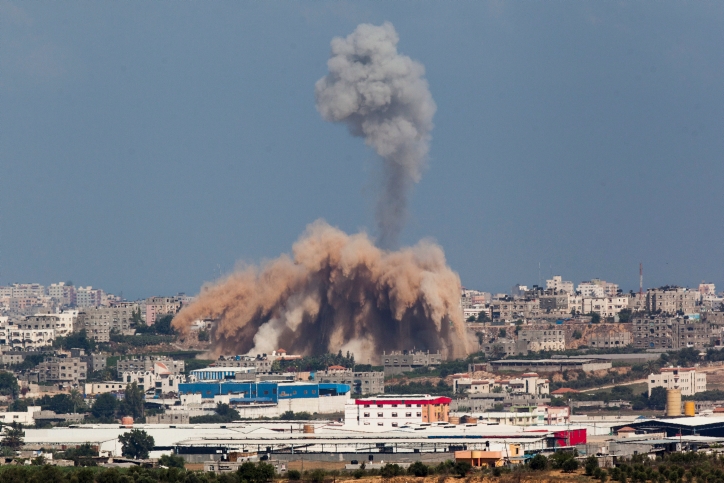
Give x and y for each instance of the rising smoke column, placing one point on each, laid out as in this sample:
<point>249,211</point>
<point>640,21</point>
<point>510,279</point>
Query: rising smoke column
<point>336,291</point>
<point>383,97</point>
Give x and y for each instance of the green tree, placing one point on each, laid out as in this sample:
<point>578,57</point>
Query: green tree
<point>462,468</point>
<point>136,444</point>
<point>538,462</point>
<point>255,473</point>
<point>317,476</point>
<point>569,465</point>
<point>78,340</point>
<point>82,455</point>
<point>105,407</point>
<point>294,475</point>
<point>172,461</point>
<point>132,404</point>
<point>391,470</point>
<point>163,325</point>
<point>577,334</point>
<point>418,468</point>
<point>9,384</point>
<point>502,333</point>
<point>13,437</point>
<point>595,317</point>
<point>471,319</point>
<point>483,316</point>
<point>591,465</point>
<point>137,318</point>
<point>657,400</point>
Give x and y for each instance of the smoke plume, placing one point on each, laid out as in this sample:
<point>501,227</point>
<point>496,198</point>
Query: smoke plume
<point>383,97</point>
<point>336,291</point>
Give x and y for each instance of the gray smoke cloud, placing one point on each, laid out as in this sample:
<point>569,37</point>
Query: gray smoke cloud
<point>382,96</point>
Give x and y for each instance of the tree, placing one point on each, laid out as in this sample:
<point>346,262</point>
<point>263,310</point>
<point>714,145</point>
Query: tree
<point>538,462</point>
<point>462,468</point>
<point>137,318</point>
<point>294,475</point>
<point>9,384</point>
<point>132,404</point>
<point>13,438</point>
<point>483,316</point>
<point>255,473</point>
<point>418,468</point>
<point>591,465</point>
<point>163,325</point>
<point>577,334</point>
<point>136,444</point>
<point>624,316</point>
<point>502,333</point>
<point>471,319</point>
<point>105,407</point>
<point>595,317</point>
<point>657,399</point>
<point>569,465</point>
<point>172,461</point>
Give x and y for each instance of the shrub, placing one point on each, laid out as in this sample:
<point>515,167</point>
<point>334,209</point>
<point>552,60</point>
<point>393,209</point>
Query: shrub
<point>569,465</point>
<point>316,476</point>
<point>462,468</point>
<point>418,468</point>
<point>294,475</point>
<point>358,473</point>
<point>538,462</point>
<point>391,470</point>
<point>591,465</point>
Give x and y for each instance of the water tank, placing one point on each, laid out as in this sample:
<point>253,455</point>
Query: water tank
<point>308,428</point>
<point>689,408</point>
<point>471,420</point>
<point>454,420</point>
<point>127,421</point>
<point>673,402</point>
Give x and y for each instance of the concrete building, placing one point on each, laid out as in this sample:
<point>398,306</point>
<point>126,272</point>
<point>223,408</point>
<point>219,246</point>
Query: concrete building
<point>23,417</point>
<point>554,301</point>
<point>115,319</point>
<point>528,383</point>
<point>63,322</point>
<point>168,418</point>
<point>93,361</point>
<point>88,297</point>
<point>361,383</point>
<point>95,388</point>
<point>62,370</point>
<point>397,362</point>
<point>148,363</point>
<point>542,365</point>
<point>96,326</point>
<point>591,290</point>
<point>154,383</point>
<point>64,294</point>
<point>610,338</point>
<point>23,337</point>
<point>543,339</point>
<point>504,347</point>
<point>159,306</point>
<point>665,332</point>
<point>672,300</point>
<point>510,309</point>
<point>558,284</point>
<point>685,378</point>
<point>393,411</point>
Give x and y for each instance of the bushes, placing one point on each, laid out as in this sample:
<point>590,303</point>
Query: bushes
<point>418,468</point>
<point>391,470</point>
<point>294,475</point>
<point>538,462</point>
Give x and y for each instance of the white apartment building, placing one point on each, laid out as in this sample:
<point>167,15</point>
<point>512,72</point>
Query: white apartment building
<point>64,294</point>
<point>88,297</point>
<point>604,306</point>
<point>393,411</point>
<point>152,383</point>
<point>24,417</point>
<point>685,378</point>
<point>591,290</point>
<point>93,388</point>
<point>528,383</point>
<point>557,283</point>
<point>25,336</point>
<point>62,322</point>
<point>543,339</point>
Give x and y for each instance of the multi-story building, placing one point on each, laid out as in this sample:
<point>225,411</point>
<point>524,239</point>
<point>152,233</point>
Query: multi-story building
<point>554,301</point>
<point>62,322</point>
<point>504,347</point>
<point>361,383</point>
<point>94,361</point>
<point>155,383</point>
<point>88,297</point>
<point>397,362</point>
<point>96,324</point>
<point>685,378</point>
<point>543,339</point>
<point>117,319</point>
<point>610,338</point>
<point>30,334</point>
<point>148,363</point>
<point>24,290</point>
<point>159,306</point>
<point>558,284</point>
<point>63,293</point>
<point>62,369</point>
<point>392,411</point>
<point>510,309</point>
<point>661,332</point>
<point>591,290</point>
<point>671,300</point>
<point>528,383</point>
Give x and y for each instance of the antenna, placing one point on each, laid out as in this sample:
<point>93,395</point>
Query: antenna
<point>641,280</point>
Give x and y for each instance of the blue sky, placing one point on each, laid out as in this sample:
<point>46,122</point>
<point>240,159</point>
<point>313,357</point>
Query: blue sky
<point>146,147</point>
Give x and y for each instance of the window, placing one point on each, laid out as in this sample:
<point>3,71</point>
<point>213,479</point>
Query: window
<point>394,415</point>
<point>419,414</point>
<point>408,415</point>
<point>379,415</point>
<point>366,415</point>
<point>380,423</point>
<point>394,425</point>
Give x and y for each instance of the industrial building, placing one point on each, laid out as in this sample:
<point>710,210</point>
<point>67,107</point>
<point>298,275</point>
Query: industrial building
<point>542,365</point>
<point>396,410</point>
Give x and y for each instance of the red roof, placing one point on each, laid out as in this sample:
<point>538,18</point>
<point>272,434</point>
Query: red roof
<point>281,351</point>
<point>626,429</point>
<point>439,400</point>
<point>337,368</point>
<point>565,390</point>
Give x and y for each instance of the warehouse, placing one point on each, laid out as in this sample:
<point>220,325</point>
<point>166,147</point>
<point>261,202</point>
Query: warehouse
<point>684,426</point>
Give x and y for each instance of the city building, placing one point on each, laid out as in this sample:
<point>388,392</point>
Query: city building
<point>148,363</point>
<point>394,411</point>
<point>157,307</point>
<point>397,362</point>
<point>62,370</point>
<point>542,365</point>
<point>63,293</point>
<point>88,297</point>
<point>665,332</point>
<point>686,379</point>
<point>558,284</point>
<point>672,300</point>
<point>543,339</point>
<point>528,383</point>
<point>117,319</point>
<point>24,336</point>
<point>154,383</point>
<point>361,383</point>
<point>610,338</point>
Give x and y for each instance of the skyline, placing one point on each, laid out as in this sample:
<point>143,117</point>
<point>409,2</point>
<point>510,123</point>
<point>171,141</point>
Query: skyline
<point>148,148</point>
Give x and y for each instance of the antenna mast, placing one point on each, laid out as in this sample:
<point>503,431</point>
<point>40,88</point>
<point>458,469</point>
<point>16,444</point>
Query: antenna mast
<point>641,280</point>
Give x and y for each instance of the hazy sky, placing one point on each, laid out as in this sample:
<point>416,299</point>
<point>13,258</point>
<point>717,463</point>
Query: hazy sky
<point>145,147</point>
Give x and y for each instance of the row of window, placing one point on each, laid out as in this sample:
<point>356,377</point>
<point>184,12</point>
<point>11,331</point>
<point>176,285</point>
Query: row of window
<point>394,405</point>
<point>394,415</point>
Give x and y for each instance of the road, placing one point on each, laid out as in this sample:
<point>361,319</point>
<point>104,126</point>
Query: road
<point>628,383</point>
